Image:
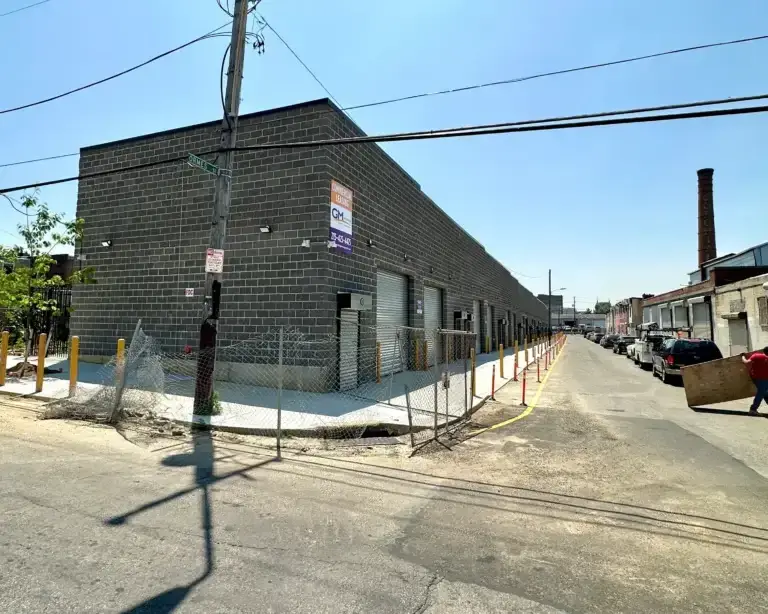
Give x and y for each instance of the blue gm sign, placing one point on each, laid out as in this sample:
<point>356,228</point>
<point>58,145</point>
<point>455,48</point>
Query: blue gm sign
<point>340,232</point>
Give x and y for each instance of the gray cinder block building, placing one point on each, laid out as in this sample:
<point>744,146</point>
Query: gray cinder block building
<point>405,261</point>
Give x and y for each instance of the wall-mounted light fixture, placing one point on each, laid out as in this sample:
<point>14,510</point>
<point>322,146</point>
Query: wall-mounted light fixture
<point>406,258</point>
<point>371,243</point>
<point>106,243</point>
<point>306,243</point>
<point>431,269</point>
<point>265,228</point>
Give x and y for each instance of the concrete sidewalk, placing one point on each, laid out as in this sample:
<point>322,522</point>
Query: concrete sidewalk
<point>247,408</point>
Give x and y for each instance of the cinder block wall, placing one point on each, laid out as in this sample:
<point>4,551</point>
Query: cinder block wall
<point>159,222</point>
<point>391,209</point>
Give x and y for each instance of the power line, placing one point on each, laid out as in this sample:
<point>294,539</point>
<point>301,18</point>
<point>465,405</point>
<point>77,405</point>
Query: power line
<point>116,75</point>
<point>553,73</point>
<point>69,155</point>
<point>479,130</point>
<point>307,68</point>
<point>668,107</point>
<point>402,98</point>
<point>24,8</point>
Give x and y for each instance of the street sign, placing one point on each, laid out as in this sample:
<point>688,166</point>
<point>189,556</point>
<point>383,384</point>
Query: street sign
<point>214,261</point>
<point>194,160</point>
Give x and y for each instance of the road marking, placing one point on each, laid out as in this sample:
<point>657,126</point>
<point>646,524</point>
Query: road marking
<point>528,409</point>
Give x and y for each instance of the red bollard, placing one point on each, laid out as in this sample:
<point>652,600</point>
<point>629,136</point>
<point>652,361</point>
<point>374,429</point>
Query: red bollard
<point>493,383</point>
<point>514,377</point>
<point>523,402</point>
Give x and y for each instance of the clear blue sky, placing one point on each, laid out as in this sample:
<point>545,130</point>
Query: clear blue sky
<point>611,210</point>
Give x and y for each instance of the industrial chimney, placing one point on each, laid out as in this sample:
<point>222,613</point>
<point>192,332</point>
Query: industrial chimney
<point>707,245</point>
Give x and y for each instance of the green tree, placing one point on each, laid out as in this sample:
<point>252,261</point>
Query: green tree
<point>588,310</point>
<point>602,307</point>
<point>25,277</point>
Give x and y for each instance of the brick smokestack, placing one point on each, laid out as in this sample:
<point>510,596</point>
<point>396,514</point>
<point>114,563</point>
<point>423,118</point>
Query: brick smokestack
<point>707,245</point>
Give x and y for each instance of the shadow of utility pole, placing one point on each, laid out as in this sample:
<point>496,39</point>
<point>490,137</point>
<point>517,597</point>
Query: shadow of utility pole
<point>202,458</point>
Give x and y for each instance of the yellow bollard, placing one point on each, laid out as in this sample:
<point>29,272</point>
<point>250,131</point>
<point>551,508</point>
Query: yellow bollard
<point>74,357</point>
<point>119,361</point>
<point>40,362</point>
<point>120,352</point>
<point>487,344</point>
<point>378,362</point>
<point>3,356</point>
<point>472,368</point>
<point>501,360</point>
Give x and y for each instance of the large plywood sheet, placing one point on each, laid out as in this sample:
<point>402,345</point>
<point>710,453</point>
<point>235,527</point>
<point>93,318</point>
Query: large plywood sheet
<point>717,381</point>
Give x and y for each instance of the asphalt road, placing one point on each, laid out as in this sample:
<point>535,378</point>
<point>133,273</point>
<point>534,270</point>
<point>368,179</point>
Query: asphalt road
<point>603,499</point>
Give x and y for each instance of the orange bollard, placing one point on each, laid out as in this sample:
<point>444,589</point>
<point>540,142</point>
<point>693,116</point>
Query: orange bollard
<point>523,401</point>
<point>493,383</point>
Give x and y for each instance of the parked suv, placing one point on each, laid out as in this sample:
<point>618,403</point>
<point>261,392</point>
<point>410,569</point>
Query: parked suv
<point>608,340</point>
<point>676,353</point>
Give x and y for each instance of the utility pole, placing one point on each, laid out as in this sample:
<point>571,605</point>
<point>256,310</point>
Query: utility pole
<point>549,294</point>
<point>206,360</point>
<point>575,319</point>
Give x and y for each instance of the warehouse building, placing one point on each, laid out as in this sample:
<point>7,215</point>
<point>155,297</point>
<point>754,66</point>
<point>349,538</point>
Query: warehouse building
<point>334,240</point>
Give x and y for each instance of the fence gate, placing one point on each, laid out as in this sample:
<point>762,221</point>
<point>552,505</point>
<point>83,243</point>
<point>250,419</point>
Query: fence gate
<point>56,326</point>
<point>349,345</point>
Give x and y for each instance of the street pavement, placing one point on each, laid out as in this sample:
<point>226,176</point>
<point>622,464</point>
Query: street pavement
<point>609,496</point>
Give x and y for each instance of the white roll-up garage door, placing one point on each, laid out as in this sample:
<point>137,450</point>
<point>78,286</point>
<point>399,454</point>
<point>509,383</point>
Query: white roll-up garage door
<point>433,320</point>
<point>701,328</point>
<point>681,316</point>
<point>476,324</point>
<point>666,317</point>
<point>391,314</point>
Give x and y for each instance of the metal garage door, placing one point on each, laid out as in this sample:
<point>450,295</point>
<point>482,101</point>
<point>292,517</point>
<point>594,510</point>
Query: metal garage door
<point>476,324</point>
<point>666,317</point>
<point>681,316</point>
<point>348,349</point>
<point>701,328</point>
<point>433,320</point>
<point>391,313</point>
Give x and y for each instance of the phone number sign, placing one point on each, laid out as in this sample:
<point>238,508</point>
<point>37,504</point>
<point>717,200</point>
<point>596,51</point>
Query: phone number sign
<point>340,232</point>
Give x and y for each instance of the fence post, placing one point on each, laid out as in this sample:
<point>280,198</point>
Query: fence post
<point>40,362</point>
<point>74,357</point>
<point>501,360</point>
<point>378,362</point>
<point>410,418</point>
<point>3,356</point>
<point>279,393</point>
<point>464,358</point>
<point>472,366</point>
<point>120,383</point>
<point>436,400</point>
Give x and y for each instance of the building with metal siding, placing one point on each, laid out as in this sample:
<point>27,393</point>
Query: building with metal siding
<point>157,220</point>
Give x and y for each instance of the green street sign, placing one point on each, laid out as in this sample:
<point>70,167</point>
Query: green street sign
<point>194,160</point>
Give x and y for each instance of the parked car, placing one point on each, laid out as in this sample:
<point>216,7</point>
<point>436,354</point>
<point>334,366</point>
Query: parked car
<point>676,353</point>
<point>597,337</point>
<point>631,350</point>
<point>608,340</point>
<point>621,344</point>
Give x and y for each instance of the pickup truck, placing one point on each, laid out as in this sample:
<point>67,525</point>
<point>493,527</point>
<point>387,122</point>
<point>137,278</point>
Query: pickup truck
<point>644,348</point>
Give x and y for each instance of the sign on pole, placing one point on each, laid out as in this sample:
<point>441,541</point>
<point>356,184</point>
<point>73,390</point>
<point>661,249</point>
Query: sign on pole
<point>198,162</point>
<point>214,260</point>
<point>341,217</point>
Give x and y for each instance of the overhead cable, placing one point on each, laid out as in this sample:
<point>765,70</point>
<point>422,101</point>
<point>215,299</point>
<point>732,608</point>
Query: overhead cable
<point>116,75</point>
<point>24,8</point>
<point>479,130</point>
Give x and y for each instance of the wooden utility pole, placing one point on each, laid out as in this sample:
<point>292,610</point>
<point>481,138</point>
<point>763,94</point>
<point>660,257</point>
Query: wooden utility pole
<point>206,360</point>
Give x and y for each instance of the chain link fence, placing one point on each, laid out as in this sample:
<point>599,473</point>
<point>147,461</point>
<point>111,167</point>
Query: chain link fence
<point>361,380</point>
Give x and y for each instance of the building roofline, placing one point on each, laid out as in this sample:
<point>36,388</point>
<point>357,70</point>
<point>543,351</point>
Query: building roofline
<point>709,263</point>
<point>211,124</point>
